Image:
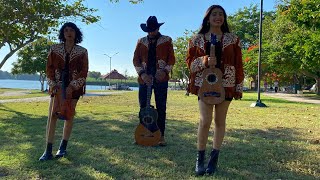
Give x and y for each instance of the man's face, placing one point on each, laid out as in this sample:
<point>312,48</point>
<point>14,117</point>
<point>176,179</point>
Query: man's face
<point>153,33</point>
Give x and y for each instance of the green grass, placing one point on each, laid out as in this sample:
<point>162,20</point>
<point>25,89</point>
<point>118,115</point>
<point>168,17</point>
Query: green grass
<point>261,143</point>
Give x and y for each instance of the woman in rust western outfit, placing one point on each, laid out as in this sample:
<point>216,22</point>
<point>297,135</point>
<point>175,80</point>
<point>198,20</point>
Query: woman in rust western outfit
<point>67,69</point>
<point>229,60</point>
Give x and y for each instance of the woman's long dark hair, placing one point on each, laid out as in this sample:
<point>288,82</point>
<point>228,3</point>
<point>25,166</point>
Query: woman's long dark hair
<point>205,27</point>
<point>78,36</point>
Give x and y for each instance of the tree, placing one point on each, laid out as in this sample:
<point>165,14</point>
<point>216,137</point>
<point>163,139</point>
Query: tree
<point>5,75</point>
<point>32,59</point>
<point>304,13</point>
<point>25,21</point>
<point>126,73</point>
<point>304,39</point>
<point>94,74</point>
<point>180,70</point>
<point>245,24</point>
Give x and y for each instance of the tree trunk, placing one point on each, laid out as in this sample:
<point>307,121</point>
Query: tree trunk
<point>254,84</point>
<point>316,77</point>
<point>185,76</point>
<point>7,57</point>
<point>12,51</point>
<point>41,79</point>
<point>318,86</point>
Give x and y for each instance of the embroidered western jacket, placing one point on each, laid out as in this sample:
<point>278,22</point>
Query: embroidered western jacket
<point>231,64</point>
<point>164,56</point>
<point>78,68</point>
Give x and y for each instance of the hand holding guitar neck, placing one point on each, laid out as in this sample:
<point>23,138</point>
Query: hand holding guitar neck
<point>212,61</point>
<point>147,79</point>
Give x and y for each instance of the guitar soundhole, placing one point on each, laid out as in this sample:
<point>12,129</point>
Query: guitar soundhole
<point>147,120</point>
<point>212,78</point>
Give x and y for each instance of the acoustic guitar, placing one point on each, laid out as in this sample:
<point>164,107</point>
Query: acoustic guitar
<point>212,91</point>
<point>147,132</point>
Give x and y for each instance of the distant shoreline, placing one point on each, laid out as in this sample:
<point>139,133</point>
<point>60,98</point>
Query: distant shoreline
<point>94,83</point>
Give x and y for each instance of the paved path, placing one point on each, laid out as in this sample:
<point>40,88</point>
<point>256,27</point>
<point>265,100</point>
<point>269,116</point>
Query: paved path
<point>15,93</point>
<point>293,97</point>
<point>47,98</point>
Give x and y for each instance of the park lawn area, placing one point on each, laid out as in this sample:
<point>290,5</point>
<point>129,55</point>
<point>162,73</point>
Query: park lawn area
<point>20,93</point>
<point>277,142</point>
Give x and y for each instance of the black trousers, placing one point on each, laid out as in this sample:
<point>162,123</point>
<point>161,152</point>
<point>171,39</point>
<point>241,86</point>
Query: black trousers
<point>160,93</point>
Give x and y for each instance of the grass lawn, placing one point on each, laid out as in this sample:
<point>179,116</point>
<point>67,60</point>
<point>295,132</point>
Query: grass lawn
<point>278,142</point>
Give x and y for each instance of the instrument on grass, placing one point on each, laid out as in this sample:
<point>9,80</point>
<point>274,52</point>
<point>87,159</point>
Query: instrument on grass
<point>212,91</point>
<point>147,132</point>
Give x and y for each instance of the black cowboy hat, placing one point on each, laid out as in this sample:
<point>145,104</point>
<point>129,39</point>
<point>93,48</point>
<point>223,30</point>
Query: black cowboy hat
<point>151,25</point>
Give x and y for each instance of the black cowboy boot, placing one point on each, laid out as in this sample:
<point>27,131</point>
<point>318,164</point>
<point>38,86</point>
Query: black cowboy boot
<point>62,149</point>
<point>200,170</point>
<point>213,161</point>
<point>47,155</point>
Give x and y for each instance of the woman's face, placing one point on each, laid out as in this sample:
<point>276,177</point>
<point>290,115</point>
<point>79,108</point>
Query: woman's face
<point>69,34</point>
<point>216,17</point>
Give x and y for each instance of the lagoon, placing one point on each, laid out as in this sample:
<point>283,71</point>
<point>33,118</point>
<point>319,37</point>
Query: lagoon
<point>26,84</point>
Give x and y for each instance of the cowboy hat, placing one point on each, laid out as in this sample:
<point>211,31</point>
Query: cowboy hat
<point>151,25</point>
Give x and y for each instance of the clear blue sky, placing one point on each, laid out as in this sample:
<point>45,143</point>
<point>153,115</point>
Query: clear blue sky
<point>119,28</point>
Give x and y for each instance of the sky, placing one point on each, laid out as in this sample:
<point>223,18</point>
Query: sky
<point>119,27</point>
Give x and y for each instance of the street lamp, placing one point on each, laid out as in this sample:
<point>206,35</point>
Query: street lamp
<point>110,66</point>
<point>259,103</point>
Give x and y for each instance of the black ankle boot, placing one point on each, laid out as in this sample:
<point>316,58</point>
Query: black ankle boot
<point>200,170</point>
<point>62,149</point>
<point>47,155</point>
<point>213,162</point>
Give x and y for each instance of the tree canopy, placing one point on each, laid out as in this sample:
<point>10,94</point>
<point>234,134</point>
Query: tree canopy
<point>32,59</point>
<point>25,21</point>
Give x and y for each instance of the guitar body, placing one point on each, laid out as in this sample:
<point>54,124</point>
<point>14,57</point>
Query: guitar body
<point>212,91</point>
<point>147,132</point>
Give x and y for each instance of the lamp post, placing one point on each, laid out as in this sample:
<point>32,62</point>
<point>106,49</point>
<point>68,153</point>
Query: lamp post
<point>110,66</point>
<point>259,103</point>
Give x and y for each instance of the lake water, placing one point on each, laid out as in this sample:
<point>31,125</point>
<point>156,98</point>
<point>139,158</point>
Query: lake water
<point>24,84</point>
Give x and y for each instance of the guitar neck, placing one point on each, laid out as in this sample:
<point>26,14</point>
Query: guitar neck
<point>212,50</point>
<point>149,89</point>
<point>213,55</point>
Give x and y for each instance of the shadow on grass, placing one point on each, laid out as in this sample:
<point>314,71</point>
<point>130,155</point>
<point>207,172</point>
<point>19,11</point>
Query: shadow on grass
<point>102,149</point>
<point>264,154</point>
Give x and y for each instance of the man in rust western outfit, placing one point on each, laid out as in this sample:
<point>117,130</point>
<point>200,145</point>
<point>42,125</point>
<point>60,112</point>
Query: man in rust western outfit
<point>153,60</point>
